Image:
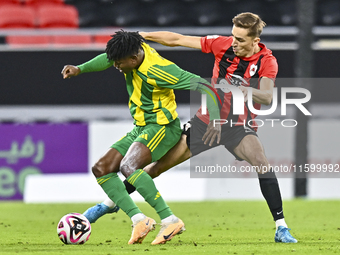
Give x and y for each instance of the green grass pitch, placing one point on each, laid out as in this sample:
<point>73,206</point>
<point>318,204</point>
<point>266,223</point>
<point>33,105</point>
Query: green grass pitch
<point>220,227</point>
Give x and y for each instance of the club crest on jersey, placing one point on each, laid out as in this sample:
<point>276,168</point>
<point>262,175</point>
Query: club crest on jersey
<point>253,69</point>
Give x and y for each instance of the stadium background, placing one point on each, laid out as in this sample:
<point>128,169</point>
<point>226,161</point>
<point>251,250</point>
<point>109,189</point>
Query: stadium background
<point>36,104</point>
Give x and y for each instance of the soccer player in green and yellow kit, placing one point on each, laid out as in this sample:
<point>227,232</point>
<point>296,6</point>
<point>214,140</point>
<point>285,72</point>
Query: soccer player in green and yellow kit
<point>150,80</point>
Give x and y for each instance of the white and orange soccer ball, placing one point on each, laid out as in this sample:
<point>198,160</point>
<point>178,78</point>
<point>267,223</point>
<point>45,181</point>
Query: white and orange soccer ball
<point>74,228</point>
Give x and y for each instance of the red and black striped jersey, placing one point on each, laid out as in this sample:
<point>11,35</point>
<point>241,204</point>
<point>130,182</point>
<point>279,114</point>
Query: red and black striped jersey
<point>237,71</point>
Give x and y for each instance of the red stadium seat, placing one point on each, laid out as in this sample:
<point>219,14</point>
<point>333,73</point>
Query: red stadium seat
<point>101,39</point>
<point>38,3</point>
<point>13,16</point>
<point>28,39</point>
<point>71,39</point>
<point>64,16</point>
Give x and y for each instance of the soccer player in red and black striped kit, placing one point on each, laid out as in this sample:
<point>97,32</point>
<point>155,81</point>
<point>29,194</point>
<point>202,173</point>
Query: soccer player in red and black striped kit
<point>241,60</point>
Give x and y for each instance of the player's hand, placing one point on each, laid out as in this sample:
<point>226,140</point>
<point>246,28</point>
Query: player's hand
<point>213,131</point>
<point>70,71</point>
<point>245,92</point>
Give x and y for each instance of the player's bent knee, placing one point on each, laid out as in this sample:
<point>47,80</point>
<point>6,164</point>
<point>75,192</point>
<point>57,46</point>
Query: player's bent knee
<point>154,172</point>
<point>100,169</point>
<point>96,171</point>
<point>150,169</point>
<point>125,169</point>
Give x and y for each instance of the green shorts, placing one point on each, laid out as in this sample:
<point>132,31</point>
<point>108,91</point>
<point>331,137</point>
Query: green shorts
<point>158,138</point>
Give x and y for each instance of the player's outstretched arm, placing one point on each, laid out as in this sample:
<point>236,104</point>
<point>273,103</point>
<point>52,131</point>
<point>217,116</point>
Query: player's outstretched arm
<point>173,39</point>
<point>98,63</point>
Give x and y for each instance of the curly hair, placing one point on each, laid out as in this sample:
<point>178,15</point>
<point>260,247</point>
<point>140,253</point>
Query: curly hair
<point>123,44</point>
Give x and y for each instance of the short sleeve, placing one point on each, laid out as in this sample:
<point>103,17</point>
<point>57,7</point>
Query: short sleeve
<point>214,43</point>
<point>269,68</point>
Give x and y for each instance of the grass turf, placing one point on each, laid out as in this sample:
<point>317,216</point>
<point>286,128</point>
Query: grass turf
<point>221,227</point>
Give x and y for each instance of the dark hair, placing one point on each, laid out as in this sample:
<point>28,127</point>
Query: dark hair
<point>250,21</point>
<point>123,44</point>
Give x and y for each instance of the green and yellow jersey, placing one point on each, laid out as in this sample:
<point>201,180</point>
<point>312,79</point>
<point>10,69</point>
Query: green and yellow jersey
<point>150,87</point>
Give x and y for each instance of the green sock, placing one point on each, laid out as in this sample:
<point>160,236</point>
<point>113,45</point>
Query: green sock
<point>115,189</point>
<point>146,187</point>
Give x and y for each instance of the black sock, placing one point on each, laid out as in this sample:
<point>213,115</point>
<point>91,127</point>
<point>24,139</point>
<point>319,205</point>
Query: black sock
<point>271,192</point>
<point>129,188</point>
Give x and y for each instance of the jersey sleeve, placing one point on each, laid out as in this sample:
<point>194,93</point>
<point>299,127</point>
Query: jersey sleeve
<point>170,76</point>
<point>173,77</point>
<point>214,43</point>
<point>269,68</point>
<point>98,63</point>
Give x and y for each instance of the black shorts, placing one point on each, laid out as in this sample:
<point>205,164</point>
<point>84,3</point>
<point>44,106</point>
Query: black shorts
<point>230,136</point>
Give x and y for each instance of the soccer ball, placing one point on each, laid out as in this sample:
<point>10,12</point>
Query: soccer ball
<point>74,228</point>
